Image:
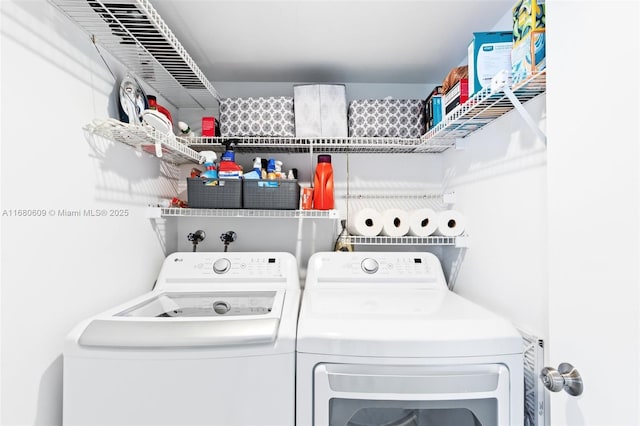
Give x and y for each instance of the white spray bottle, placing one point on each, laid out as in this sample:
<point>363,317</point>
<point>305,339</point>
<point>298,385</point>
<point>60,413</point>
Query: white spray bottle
<point>257,166</point>
<point>185,130</point>
<point>209,158</point>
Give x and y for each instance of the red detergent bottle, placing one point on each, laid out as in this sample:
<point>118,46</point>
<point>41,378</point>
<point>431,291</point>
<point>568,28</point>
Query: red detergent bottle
<point>323,184</point>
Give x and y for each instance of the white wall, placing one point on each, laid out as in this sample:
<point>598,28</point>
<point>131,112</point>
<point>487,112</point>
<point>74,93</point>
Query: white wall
<point>58,270</point>
<point>499,179</point>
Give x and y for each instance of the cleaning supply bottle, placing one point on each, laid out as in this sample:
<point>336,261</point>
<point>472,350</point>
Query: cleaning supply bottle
<point>185,130</point>
<point>153,104</point>
<point>271,169</point>
<point>228,168</point>
<point>209,164</point>
<point>342,242</point>
<point>323,184</point>
<point>257,165</point>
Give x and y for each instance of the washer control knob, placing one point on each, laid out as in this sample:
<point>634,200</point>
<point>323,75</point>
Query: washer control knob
<point>221,308</point>
<point>221,266</point>
<point>369,265</point>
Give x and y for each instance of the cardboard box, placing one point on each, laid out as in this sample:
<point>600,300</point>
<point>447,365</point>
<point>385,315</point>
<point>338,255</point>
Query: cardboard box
<point>433,117</point>
<point>269,116</point>
<point>528,55</point>
<point>458,95</point>
<point>489,53</point>
<point>320,110</point>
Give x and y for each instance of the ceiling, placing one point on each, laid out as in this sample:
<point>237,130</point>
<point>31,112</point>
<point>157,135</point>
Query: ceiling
<point>391,41</point>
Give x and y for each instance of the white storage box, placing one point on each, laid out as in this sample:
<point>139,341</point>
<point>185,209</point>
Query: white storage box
<point>271,116</point>
<point>320,110</point>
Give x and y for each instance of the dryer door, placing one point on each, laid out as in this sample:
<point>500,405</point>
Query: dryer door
<point>366,395</point>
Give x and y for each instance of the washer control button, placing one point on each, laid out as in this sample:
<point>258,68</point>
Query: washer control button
<point>221,307</point>
<point>221,266</point>
<point>369,265</point>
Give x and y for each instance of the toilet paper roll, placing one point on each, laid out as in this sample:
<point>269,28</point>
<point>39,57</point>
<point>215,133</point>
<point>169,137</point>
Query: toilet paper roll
<point>366,222</point>
<point>395,222</point>
<point>451,223</point>
<point>423,222</point>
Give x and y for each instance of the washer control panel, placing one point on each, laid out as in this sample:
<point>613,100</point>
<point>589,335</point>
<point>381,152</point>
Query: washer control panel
<point>227,266</point>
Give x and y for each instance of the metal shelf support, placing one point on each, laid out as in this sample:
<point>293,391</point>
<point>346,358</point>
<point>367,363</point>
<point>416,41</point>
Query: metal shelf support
<point>499,83</point>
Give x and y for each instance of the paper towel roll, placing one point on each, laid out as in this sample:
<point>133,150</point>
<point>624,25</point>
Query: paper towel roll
<point>451,223</point>
<point>366,222</point>
<point>395,222</point>
<point>423,222</point>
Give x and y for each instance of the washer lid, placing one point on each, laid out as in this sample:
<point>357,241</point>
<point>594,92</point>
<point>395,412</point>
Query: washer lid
<point>407,323</point>
<point>190,319</point>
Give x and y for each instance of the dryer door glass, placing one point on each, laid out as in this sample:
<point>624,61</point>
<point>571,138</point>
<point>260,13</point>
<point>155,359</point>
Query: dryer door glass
<point>354,412</point>
<point>411,395</point>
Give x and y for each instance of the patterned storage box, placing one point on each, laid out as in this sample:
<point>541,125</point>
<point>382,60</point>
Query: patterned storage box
<point>257,117</point>
<point>403,118</point>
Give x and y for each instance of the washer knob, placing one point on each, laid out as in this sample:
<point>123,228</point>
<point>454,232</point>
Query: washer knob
<point>369,265</point>
<point>221,266</point>
<point>221,308</point>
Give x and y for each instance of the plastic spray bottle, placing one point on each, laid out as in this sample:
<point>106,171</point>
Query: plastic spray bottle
<point>271,169</point>
<point>257,166</point>
<point>185,130</point>
<point>209,158</point>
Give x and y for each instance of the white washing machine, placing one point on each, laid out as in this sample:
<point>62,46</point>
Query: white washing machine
<point>383,341</point>
<point>212,344</point>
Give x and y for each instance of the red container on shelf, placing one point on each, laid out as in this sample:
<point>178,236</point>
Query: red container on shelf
<point>208,126</point>
<point>323,184</point>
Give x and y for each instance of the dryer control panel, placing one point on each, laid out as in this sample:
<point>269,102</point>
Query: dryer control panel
<point>415,269</point>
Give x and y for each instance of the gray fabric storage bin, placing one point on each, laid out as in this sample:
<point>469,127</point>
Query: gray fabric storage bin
<point>320,110</point>
<point>400,118</point>
<point>270,116</point>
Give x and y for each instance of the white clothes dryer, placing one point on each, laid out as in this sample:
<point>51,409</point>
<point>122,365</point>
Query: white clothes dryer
<point>383,341</point>
<point>212,344</point>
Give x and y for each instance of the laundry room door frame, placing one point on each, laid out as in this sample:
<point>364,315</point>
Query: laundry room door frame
<point>593,162</point>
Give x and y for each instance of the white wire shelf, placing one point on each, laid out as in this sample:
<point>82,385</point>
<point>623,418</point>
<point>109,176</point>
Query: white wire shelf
<point>146,139</point>
<point>404,240</point>
<point>318,145</point>
<point>480,110</point>
<point>249,213</point>
<point>134,33</point>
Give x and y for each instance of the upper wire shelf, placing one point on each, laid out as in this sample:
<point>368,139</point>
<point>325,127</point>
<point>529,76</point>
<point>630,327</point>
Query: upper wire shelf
<point>319,145</point>
<point>134,33</point>
<point>252,213</point>
<point>481,109</point>
<point>478,111</point>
